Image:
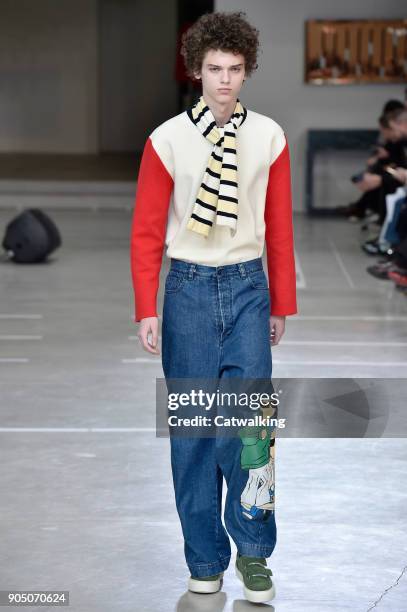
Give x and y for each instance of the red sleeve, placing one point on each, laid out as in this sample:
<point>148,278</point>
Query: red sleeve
<point>148,229</point>
<point>279,237</point>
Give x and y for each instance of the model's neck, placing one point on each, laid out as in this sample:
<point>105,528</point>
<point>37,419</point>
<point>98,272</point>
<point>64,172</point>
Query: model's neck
<point>221,112</point>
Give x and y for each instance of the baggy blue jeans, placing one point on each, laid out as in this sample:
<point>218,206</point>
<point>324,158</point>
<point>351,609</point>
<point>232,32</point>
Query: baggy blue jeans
<point>216,324</point>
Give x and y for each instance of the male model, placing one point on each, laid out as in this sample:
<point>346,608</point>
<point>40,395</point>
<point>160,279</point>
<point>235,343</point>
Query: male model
<point>214,187</point>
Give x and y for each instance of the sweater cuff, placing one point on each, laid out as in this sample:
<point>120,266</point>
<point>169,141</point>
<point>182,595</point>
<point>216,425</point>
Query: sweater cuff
<point>283,311</point>
<point>146,306</point>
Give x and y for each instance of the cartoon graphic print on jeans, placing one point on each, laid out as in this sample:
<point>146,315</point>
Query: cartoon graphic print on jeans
<point>258,457</point>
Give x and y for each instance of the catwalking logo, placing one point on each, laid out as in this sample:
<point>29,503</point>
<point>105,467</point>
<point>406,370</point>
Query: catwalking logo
<point>314,408</point>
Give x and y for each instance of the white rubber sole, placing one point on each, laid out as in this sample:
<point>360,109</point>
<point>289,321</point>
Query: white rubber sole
<point>256,596</point>
<point>205,586</point>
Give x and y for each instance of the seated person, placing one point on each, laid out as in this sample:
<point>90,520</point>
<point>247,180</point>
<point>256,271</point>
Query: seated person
<point>376,182</point>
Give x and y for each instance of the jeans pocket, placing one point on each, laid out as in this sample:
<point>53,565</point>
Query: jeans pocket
<point>174,281</point>
<point>258,279</point>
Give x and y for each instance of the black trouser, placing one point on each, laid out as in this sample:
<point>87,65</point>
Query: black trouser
<point>400,254</point>
<point>370,199</point>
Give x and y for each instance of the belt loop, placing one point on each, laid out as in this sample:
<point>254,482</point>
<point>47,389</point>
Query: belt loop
<point>242,270</point>
<point>191,271</point>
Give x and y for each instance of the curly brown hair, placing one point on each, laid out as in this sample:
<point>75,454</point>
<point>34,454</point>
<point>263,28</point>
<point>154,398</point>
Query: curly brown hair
<point>224,31</point>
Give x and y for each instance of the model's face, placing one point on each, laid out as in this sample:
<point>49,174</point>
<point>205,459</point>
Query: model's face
<point>399,129</point>
<point>222,75</point>
<point>388,134</point>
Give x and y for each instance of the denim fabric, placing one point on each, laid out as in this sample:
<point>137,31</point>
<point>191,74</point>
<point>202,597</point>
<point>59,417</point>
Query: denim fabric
<point>216,324</point>
<point>394,204</point>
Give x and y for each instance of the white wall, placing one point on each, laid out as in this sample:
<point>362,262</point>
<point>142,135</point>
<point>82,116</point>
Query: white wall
<point>83,76</point>
<point>48,76</point>
<point>137,86</point>
<point>277,88</point>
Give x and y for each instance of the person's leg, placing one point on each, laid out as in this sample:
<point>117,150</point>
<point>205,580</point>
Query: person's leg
<point>246,354</point>
<point>369,200</point>
<point>190,349</point>
<point>391,200</point>
<point>247,460</point>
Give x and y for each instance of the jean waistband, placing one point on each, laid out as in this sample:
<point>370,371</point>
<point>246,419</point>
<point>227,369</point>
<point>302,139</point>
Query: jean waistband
<point>243,268</point>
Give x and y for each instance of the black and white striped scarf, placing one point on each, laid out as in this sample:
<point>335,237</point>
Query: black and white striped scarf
<point>217,200</point>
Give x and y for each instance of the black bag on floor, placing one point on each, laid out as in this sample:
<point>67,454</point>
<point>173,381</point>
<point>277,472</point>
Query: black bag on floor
<point>31,237</point>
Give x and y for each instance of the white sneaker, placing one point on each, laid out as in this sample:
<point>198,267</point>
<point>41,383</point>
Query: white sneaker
<point>207,584</point>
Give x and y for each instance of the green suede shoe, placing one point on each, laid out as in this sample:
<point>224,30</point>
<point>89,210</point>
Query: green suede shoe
<point>205,584</point>
<point>255,575</point>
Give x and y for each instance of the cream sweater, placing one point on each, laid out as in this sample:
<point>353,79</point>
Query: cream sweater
<point>171,170</point>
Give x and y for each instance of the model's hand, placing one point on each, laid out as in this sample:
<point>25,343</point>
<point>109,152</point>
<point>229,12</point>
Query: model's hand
<point>372,160</point>
<point>370,181</point>
<point>148,335</point>
<point>277,327</point>
<point>400,174</point>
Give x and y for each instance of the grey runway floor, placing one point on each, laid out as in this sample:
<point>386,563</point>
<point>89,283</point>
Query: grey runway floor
<point>86,492</point>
